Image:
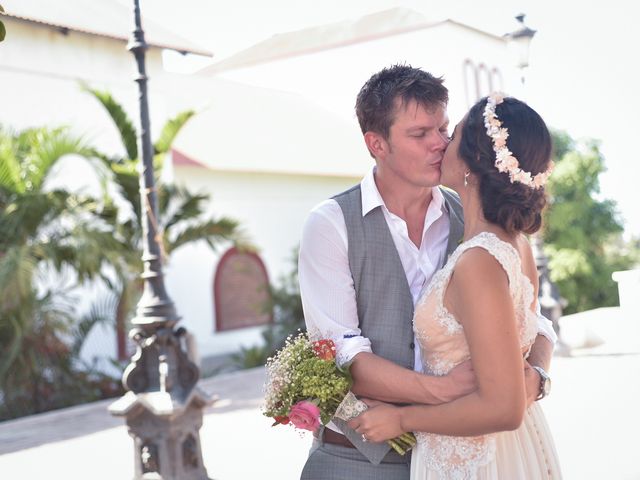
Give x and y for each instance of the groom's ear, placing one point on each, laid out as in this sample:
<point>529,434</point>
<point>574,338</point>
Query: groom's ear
<point>376,144</point>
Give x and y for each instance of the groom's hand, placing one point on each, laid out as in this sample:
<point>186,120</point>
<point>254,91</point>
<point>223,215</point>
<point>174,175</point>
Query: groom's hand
<point>457,383</point>
<point>539,355</point>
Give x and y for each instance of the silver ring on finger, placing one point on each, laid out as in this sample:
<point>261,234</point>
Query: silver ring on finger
<point>364,437</point>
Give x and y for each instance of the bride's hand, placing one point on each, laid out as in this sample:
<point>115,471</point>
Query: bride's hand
<point>381,422</point>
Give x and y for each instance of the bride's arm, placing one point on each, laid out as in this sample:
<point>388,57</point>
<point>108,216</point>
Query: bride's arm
<point>480,299</point>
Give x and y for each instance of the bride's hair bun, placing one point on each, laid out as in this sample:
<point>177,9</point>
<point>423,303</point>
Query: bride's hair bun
<point>514,206</point>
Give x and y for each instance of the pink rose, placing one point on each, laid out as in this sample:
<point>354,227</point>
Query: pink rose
<point>305,415</point>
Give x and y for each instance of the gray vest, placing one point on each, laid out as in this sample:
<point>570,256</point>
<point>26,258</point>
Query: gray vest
<point>385,304</point>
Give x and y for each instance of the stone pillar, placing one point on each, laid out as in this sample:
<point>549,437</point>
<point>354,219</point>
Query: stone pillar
<point>163,417</point>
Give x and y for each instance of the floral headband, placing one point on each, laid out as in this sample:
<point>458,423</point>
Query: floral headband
<point>505,161</point>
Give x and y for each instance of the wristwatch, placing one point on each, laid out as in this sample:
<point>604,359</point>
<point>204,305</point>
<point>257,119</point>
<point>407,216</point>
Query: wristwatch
<point>545,382</point>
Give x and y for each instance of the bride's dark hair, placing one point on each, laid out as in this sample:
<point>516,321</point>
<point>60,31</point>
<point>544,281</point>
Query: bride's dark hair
<point>513,206</point>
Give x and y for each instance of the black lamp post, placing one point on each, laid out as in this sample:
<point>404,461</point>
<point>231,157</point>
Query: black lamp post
<point>163,405</point>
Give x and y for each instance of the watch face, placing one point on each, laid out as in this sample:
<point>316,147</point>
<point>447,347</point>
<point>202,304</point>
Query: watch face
<point>546,386</point>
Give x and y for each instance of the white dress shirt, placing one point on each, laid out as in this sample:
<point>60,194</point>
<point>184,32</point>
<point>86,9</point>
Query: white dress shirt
<point>326,284</point>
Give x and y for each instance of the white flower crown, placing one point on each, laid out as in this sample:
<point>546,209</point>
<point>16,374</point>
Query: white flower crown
<point>505,161</point>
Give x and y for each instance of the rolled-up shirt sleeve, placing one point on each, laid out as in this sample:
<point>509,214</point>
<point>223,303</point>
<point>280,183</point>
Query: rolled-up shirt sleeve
<point>545,327</point>
<point>326,284</point>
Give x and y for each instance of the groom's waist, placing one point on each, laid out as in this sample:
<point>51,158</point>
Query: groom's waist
<point>335,438</point>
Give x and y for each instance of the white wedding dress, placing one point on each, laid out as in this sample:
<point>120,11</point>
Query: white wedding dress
<point>526,453</point>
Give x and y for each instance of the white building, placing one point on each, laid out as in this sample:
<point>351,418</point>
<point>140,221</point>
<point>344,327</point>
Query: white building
<point>275,135</point>
<point>330,63</point>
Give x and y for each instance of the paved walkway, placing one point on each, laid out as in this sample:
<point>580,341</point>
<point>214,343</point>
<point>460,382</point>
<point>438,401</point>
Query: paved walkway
<point>593,412</point>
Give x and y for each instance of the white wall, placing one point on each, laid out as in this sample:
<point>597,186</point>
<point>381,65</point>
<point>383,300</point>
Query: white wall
<point>271,210</point>
<point>628,289</point>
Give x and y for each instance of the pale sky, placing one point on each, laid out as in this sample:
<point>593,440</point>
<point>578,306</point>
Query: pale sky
<point>584,63</point>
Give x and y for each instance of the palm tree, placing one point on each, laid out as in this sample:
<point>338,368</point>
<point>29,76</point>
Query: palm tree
<point>3,30</point>
<point>180,212</point>
<point>42,230</point>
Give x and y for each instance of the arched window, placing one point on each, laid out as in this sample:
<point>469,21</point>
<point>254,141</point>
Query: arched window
<point>479,81</point>
<point>496,80</point>
<point>484,81</point>
<point>470,82</point>
<point>241,291</point>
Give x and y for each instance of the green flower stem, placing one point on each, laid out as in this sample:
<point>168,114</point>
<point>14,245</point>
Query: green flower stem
<point>403,443</point>
<point>404,446</point>
<point>409,438</point>
<point>396,447</point>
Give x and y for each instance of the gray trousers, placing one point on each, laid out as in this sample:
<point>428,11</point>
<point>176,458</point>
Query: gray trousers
<point>333,462</point>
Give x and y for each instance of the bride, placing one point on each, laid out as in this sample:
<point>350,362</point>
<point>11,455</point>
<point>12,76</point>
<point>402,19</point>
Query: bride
<point>481,306</point>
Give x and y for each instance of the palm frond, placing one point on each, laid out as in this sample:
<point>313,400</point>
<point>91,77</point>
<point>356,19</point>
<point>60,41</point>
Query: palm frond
<point>85,249</point>
<point>47,147</point>
<point>171,130</point>
<point>120,119</point>
<point>12,350</point>
<point>213,232</point>
<point>3,29</point>
<point>128,182</point>
<point>178,205</point>
<point>31,213</point>
<point>101,312</point>
<point>17,267</point>
<point>167,136</point>
<point>9,165</point>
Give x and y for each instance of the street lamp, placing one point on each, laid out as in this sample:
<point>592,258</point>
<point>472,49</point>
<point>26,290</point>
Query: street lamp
<point>163,404</point>
<point>518,43</point>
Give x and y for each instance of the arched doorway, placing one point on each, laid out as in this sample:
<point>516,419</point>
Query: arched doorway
<point>241,291</point>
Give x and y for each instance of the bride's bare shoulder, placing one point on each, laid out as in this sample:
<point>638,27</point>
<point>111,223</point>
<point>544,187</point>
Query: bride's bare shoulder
<point>477,266</point>
<point>478,283</point>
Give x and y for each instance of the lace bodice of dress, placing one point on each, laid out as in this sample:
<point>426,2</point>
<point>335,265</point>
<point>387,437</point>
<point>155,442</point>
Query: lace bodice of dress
<point>443,346</point>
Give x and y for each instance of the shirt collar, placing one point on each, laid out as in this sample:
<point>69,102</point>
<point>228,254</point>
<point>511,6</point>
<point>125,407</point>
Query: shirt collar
<point>371,197</point>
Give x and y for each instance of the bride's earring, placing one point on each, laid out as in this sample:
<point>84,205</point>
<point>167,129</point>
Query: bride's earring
<point>466,178</point>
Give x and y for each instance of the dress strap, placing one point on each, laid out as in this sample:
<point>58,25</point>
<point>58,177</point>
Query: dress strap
<point>502,251</point>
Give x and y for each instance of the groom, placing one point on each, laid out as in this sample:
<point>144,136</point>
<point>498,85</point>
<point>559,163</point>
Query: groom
<point>366,255</point>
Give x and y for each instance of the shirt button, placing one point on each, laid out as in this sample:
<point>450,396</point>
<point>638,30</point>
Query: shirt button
<point>412,346</point>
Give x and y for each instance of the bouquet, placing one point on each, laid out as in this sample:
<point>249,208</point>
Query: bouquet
<point>305,388</point>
